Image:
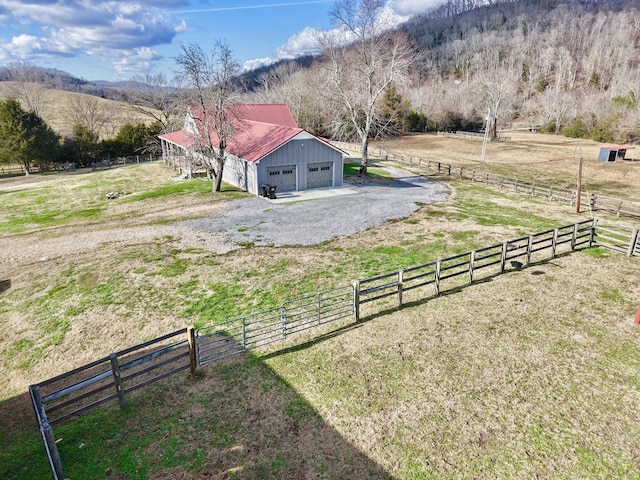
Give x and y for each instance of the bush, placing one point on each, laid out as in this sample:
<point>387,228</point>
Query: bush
<point>576,128</point>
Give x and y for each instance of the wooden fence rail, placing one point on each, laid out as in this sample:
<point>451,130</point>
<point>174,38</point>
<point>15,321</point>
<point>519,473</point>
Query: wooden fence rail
<point>594,201</point>
<point>620,238</point>
<point>468,267</point>
<point>85,388</point>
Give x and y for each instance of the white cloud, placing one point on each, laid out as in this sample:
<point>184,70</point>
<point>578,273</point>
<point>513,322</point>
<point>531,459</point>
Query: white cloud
<point>121,32</point>
<point>257,63</point>
<point>407,8</point>
<point>136,62</point>
<point>303,43</point>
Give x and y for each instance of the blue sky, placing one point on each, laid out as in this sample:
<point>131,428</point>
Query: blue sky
<point>115,40</point>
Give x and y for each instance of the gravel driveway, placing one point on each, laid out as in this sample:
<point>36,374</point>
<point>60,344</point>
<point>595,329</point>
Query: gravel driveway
<point>345,211</point>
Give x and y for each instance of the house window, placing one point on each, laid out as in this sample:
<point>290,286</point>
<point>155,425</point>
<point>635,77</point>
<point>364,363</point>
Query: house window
<point>287,172</point>
<point>314,169</point>
<point>274,173</point>
<point>325,169</point>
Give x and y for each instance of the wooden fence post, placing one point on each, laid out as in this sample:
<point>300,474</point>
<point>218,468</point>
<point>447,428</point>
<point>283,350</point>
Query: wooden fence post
<point>437,277</point>
<point>193,357</point>
<point>503,257</point>
<point>529,248</point>
<point>47,433</point>
<point>592,233</point>
<point>356,300</point>
<point>554,243</point>
<point>472,259</point>
<point>632,243</point>
<point>400,287</point>
<point>574,237</point>
<point>117,379</point>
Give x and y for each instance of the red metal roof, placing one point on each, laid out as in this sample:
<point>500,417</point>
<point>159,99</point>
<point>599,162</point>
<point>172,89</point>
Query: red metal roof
<point>274,113</point>
<point>182,138</point>
<point>254,138</point>
<point>252,141</point>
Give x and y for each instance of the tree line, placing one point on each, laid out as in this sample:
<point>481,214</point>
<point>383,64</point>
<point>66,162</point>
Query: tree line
<point>27,140</point>
<point>564,67</point>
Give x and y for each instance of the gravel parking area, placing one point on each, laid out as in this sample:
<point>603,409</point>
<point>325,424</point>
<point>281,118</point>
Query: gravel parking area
<point>342,212</point>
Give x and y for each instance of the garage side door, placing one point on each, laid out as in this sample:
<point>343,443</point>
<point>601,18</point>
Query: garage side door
<point>320,175</point>
<point>282,177</point>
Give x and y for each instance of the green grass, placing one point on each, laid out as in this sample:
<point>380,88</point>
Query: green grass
<point>472,384</point>
<point>183,187</point>
<point>374,173</point>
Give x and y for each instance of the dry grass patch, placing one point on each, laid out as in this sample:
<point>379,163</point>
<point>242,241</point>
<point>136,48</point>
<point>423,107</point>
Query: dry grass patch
<point>546,158</point>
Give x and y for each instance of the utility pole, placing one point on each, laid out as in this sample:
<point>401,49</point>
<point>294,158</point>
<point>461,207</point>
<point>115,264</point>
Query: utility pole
<point>486,135</point>
<point>579,193</point>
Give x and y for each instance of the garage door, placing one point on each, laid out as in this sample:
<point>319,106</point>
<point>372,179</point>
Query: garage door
<point>320,175</point>
<point>282,177</point>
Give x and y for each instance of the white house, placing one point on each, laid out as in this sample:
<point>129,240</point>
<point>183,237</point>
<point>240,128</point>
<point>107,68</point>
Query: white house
<point>268,148</point>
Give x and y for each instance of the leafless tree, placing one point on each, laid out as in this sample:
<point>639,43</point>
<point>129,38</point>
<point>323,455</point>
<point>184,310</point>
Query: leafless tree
<point>28,87</point>
<point>213,90</point>
<point>93,113</point>
<point>156,97</point>
<point>364,55</point>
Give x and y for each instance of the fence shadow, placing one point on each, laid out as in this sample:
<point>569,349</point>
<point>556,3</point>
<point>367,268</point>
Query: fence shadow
<point>5,285</point>
<point>239,419</point>
<point>408,304</point>
<point>22,455</point>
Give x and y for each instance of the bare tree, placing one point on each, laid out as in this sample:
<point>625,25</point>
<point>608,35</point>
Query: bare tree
<point>28,87</point>
<point>499,92</point>
<point>157,98</point>
<point>92,113</point>
<point>213,91</point>
<point>365,55</point>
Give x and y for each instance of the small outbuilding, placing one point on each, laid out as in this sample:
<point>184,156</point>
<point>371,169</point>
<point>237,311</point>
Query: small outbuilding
<point>611,153</point>
<point>268,149</point>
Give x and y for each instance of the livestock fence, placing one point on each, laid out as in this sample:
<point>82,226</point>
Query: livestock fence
<point>123,161</point>
<point>111,378</point>
<point>594,201</point>
<point>471,135</point>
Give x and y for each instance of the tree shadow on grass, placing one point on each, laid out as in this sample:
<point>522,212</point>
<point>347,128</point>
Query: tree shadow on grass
<point>238,420</point>
<point>22,455</point>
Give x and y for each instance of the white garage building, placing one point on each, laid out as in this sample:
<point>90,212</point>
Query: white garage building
<point>268,149</point>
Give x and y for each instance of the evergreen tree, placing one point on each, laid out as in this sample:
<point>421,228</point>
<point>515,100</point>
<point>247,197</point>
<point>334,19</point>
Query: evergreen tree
<point>25,138</point>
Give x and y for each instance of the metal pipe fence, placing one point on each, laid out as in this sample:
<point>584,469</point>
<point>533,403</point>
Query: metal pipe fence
<point>238,335</point>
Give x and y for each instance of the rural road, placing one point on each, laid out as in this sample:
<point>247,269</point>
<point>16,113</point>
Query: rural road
<point>341,212</point>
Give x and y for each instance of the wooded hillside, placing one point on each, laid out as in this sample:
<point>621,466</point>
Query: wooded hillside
<point>569,67</point>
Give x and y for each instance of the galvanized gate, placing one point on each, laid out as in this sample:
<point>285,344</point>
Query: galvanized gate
<point>221,340</point>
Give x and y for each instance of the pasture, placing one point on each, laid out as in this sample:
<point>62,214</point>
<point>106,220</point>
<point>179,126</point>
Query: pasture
<point>532,373</point>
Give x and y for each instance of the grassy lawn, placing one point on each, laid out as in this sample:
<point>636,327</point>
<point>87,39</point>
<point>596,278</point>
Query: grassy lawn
<point>532,373</point>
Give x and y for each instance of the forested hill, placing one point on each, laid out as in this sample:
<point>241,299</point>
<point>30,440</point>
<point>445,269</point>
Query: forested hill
<point>564,66</point>
<point>569,66</point>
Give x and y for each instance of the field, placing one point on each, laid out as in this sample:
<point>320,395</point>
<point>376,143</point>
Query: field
<point>546,158</point>
<point>529,374</point>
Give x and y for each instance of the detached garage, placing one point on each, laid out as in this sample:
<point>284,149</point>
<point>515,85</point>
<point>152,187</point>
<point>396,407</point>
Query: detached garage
<point>268,149</point>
